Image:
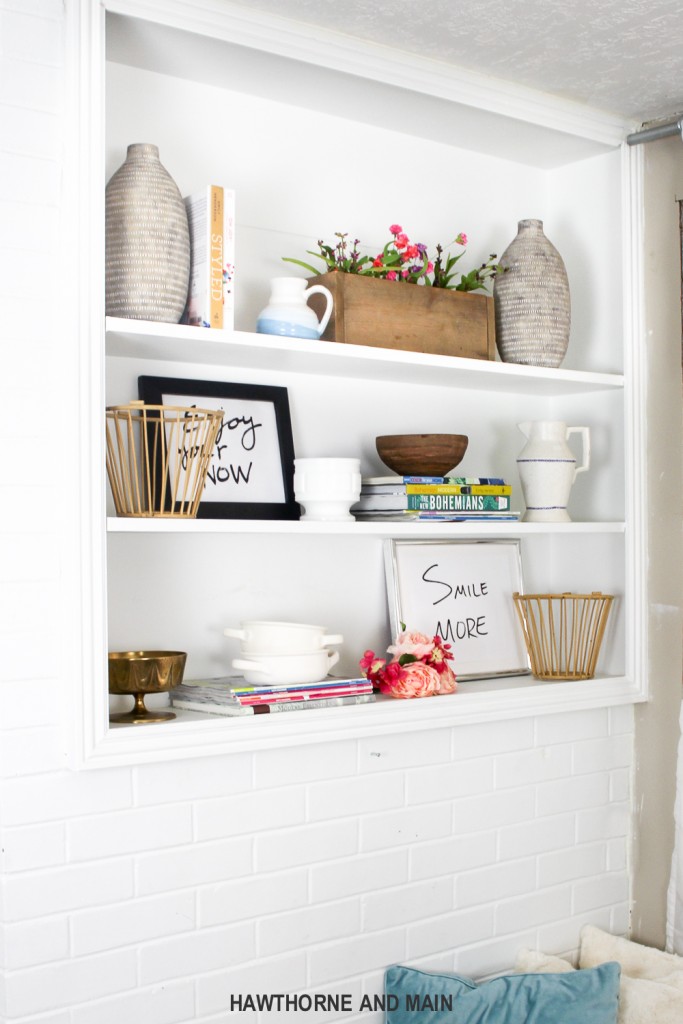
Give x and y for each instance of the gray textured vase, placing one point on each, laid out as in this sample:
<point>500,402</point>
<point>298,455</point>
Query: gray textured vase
<point>147,240</point>
<point>531,298</point>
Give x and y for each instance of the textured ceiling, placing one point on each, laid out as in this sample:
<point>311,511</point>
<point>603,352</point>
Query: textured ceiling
<point>622,56</point>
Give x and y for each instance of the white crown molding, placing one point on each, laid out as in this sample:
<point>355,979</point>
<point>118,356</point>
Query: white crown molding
<point>310,44</point>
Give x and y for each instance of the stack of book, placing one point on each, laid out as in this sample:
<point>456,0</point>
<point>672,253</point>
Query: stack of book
<point>430,498</point>
<point>230,695</point>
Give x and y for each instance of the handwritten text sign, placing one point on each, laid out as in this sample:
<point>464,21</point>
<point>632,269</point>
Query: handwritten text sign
<point>246,464</point>
<point>461,592</point>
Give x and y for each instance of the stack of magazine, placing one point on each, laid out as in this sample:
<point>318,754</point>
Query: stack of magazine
<point>230,695</point>
<point>434,498</point>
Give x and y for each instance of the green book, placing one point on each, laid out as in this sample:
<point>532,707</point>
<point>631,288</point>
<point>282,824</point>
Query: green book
<point>459,502</point>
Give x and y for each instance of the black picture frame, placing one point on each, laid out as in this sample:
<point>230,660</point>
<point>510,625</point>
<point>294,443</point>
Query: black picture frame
<point>270,474</point>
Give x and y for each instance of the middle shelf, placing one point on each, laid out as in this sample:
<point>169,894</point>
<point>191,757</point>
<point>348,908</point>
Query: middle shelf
<point>192,527</point>
<point>176,343</point>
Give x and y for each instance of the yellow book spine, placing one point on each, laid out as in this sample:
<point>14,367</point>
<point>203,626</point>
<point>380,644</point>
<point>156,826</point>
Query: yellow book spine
<point>216,252</point>
<point>494,489</point>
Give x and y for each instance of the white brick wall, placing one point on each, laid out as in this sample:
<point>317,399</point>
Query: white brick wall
<point>152,894</point>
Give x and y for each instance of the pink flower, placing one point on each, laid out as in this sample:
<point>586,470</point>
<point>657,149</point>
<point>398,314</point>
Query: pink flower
<point>393,673</point>
<point>461,239</point>
<point>417,644</point>
<point>416,680</point>
<point>430,267</point>
<point>447,683</point>
<point>392,275</point>
<point>371,665</point>
<point>412,252</point>
<point>440,655</point>
<point>396,229</point>
<point>419,667</point>
<point>402,241</point>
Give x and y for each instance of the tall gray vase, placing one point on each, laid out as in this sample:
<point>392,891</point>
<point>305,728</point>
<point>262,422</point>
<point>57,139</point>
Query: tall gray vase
<point>531,300</point>
<point>147,240</point>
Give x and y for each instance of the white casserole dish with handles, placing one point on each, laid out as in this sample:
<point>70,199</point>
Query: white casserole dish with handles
<point>276,669</point>
<point>282,637</point>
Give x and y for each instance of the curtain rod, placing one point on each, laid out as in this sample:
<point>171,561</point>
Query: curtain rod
<point>657,132</point>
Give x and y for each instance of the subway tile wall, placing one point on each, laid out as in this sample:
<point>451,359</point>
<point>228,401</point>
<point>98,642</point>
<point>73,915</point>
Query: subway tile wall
<point>123,885</point>
<point>157,894</point>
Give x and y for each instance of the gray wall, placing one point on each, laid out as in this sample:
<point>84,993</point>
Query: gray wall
<point>657,723</point>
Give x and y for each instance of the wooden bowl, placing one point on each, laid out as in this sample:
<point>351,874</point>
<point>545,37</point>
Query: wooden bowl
<point>421,454</point>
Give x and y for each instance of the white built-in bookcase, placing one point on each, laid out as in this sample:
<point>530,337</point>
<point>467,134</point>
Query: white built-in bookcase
<point>319,133</point>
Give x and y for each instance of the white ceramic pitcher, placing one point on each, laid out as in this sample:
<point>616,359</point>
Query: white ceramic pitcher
<point>547,469</point>
<point>287,313</point>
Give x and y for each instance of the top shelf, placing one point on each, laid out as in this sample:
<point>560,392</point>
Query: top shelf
<point>277,58</point>
<point>176,343</point>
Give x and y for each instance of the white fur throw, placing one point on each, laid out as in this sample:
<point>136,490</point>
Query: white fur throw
<point>651,990</point>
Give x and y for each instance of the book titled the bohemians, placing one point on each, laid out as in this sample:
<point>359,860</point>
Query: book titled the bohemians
<point>211,219</point>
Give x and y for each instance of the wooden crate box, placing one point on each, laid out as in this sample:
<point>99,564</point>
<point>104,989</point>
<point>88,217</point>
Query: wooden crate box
<point>392,314</point>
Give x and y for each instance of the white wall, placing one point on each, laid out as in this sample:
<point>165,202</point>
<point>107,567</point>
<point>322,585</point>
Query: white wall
<point>149,894</point>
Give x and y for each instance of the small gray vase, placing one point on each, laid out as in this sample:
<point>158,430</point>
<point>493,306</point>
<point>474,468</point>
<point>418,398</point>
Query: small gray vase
<point>147,257</point>
<point>531,299</point>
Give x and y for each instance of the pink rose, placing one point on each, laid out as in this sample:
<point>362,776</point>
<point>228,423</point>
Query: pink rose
<point>417,644</point>
<point>416,680</point>
<point>447,680</point>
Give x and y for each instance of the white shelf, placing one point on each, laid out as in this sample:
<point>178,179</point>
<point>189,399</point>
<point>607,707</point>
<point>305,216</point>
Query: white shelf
<point>210,46</point>
<point>176,343</point>
<point>486,700</point>
<point>196,527</point>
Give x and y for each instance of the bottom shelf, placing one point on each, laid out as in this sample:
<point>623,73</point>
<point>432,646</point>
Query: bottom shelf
<point>193,734</point>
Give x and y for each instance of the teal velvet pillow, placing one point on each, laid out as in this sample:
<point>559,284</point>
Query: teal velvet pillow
<point>579,997</point>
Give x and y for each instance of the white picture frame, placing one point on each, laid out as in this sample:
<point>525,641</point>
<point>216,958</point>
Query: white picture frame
<point>461,591</point>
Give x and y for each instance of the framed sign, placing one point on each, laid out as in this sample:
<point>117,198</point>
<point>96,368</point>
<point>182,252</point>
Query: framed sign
<point>251,473</point>
<point>461,591</point>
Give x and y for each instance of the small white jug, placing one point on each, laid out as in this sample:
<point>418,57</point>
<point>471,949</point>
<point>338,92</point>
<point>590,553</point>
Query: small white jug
<point>547,469</point>
<point>287,313</point>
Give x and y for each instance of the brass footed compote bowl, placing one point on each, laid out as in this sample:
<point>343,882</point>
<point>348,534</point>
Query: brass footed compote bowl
<point>138,673</point>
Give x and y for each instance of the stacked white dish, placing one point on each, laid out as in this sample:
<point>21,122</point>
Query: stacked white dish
<point>274,653</point>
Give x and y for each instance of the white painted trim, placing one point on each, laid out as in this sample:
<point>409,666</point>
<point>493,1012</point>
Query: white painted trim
<point>635,425</point>
<point>84,204</point>
<point>333,50</point>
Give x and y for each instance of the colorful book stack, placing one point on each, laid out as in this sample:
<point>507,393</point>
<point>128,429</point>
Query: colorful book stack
<point>230,695</point>
<point>430,498</point>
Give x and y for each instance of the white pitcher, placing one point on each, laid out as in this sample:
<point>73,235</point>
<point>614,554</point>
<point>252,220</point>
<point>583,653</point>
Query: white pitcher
<point>547,469</point>
<point>287,313</point>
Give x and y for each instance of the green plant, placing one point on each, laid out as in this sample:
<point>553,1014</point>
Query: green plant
<point>403,260</point>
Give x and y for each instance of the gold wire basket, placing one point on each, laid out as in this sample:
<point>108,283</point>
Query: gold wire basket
<point>158,457</point>
<point>563,632</point>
